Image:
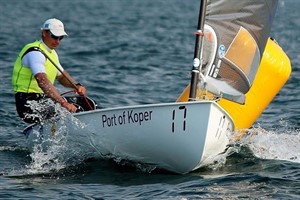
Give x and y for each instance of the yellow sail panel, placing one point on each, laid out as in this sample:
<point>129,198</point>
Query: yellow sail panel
<point>248,55</point>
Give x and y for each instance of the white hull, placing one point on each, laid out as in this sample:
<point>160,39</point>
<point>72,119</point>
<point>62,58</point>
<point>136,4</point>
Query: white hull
<point>179,137</point>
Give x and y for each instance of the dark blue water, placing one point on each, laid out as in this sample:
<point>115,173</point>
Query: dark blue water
<point>137,52</point>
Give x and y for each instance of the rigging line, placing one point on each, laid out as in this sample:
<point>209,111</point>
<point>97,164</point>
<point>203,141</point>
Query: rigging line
<point>84,96</point>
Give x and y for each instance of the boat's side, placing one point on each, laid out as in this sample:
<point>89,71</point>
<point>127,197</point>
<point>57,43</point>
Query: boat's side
<point>177,136</point>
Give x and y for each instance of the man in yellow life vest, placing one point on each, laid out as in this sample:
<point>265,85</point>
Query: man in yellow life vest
<point>34,74</point>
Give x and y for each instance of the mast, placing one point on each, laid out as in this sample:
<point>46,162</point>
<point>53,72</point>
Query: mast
<point>197,64</point>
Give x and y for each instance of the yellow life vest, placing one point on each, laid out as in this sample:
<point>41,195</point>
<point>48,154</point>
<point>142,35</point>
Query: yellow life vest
<point>22,77</point>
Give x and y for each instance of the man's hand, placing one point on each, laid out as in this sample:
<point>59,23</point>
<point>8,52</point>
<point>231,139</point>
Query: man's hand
<point>70,107</point>
<point>81,90</point>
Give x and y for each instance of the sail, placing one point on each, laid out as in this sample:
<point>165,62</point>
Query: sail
<point>236,32</point>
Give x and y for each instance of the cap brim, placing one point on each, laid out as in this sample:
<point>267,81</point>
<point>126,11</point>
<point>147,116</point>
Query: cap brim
<point>58,33</point>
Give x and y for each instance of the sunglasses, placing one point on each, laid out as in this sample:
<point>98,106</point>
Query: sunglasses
<point>55,37</point>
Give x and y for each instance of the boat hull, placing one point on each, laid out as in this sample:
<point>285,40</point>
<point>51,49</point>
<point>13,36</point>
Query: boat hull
<point>179,137</point>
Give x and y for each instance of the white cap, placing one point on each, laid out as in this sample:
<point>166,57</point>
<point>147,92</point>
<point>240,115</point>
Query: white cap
<point>55,26</point>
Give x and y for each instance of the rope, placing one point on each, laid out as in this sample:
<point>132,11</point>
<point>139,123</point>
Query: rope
<point>88,103</point>
<point>84,96</point>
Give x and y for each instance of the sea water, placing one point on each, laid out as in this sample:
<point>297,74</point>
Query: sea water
<point>134,52</point>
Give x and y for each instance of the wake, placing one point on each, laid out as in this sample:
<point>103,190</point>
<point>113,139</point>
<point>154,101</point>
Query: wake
<point>273,145</point>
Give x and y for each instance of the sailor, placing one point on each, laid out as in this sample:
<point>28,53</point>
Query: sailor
<point>34,75</point>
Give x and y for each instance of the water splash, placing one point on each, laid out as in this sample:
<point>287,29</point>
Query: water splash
<point>273,145</point>
<point>54,152</point>
<point>282,143</point>
<point>43,109</point>
<point>220,160</point>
